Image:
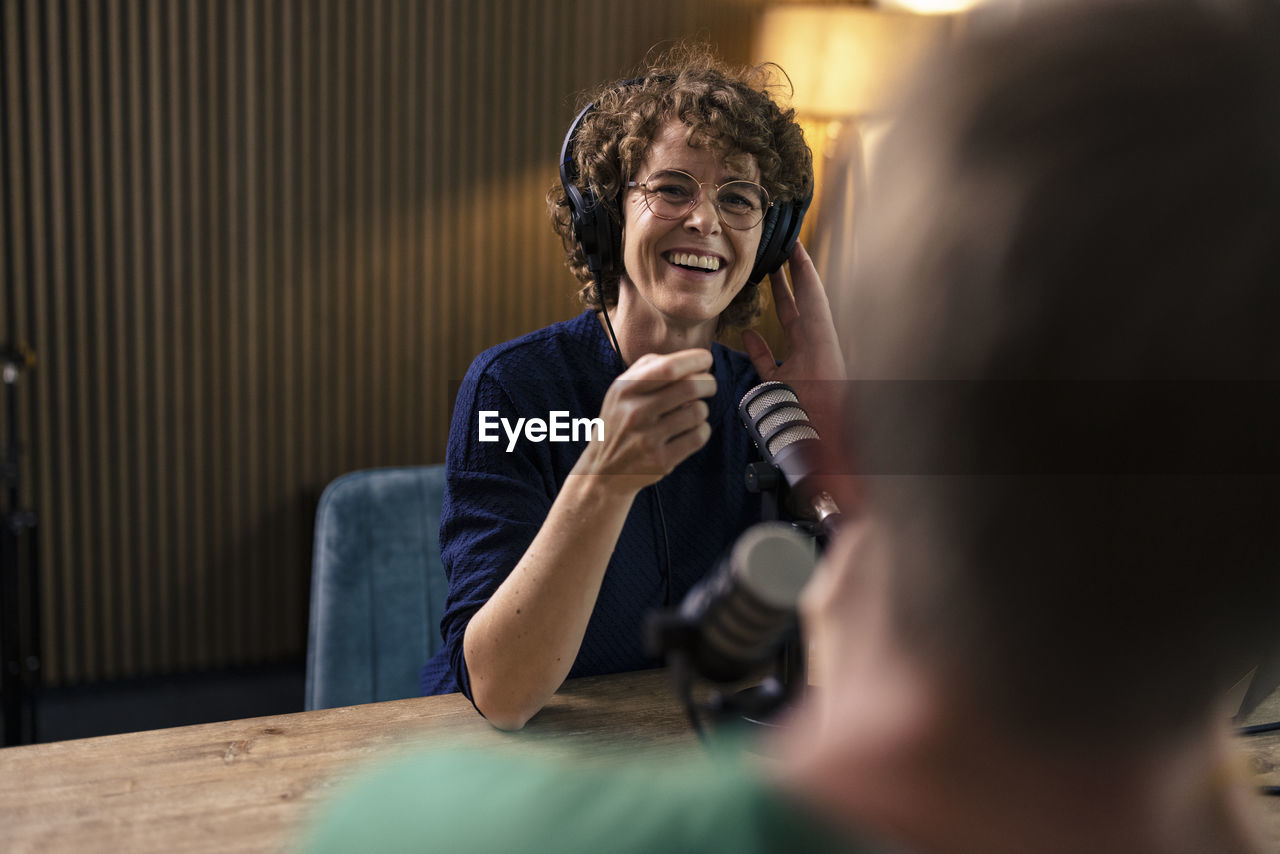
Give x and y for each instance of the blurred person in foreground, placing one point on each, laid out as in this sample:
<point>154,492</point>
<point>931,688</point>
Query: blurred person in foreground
<point>1066,552</point>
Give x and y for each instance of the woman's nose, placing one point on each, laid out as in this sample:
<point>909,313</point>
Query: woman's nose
<point>703,217</point>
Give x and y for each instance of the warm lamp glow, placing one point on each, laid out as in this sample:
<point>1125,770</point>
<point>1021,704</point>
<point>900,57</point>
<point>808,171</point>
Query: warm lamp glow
<point>845,63</point>
<point>843,60</point>
<point>931,7</point>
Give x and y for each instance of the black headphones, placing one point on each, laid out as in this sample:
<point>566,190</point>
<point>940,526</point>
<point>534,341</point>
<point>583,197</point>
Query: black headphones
<point>600,236</point>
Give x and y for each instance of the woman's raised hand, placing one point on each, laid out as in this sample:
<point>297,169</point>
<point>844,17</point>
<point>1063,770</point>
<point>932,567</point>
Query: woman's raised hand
<point>813,351</point>
<point>814,363</point>
<point>654,418</point>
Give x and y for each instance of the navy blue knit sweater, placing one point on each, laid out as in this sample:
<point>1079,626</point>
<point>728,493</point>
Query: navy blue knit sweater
<point>495,501</point>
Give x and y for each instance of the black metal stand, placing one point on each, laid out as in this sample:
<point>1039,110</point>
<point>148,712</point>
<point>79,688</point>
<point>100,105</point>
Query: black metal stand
<point>19,584</point>
<point>758,705</point>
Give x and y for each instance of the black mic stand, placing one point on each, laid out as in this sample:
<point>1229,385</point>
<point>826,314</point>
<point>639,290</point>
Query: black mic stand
<point>791,664</point>
<point>19,585</point>
<point>677,638</point>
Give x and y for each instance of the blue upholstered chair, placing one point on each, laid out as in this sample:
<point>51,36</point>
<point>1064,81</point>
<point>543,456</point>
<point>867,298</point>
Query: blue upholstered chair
<point>377,586</point>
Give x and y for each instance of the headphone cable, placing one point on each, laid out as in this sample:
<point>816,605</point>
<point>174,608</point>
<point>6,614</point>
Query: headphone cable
<point>653,487</point>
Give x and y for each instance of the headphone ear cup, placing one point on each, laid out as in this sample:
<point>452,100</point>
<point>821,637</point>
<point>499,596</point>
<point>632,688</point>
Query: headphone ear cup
<point>778,237</point>
<point>767,249</point>
<point>609,235</point>
<point>595,229</point>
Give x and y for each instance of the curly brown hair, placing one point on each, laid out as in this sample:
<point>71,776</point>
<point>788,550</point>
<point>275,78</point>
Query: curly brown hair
<point>724,108</point>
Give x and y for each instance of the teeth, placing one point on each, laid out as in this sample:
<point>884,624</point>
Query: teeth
<point>688,259</point>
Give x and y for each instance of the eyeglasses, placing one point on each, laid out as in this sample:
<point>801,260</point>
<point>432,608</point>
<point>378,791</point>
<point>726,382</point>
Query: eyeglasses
<point>671,194</point>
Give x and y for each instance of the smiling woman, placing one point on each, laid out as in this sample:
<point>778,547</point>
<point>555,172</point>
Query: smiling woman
<point>728,113</point>
<point>671,211</point>
<point>683,264</point>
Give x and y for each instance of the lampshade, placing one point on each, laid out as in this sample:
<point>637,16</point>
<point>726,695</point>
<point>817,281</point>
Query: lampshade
<point>844,60</point>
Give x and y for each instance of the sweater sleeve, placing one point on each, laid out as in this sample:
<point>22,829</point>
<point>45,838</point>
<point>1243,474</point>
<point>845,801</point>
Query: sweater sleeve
<point>495,501</point>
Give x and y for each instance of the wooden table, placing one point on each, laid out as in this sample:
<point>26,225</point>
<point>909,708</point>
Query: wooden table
<point>250,785</point>
<point>1263,755</point>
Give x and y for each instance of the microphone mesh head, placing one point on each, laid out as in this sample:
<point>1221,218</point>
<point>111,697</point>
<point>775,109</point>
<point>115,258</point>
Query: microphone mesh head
<point>788,435</point>
<point>771,430</point>
<point>774,420</point>
<point>777,394</point>
<point>773,562</point>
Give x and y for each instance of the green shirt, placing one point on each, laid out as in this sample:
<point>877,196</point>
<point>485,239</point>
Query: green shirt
<point>479,802</point>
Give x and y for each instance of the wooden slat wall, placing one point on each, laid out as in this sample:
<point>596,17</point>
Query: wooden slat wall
<point>255,244</point>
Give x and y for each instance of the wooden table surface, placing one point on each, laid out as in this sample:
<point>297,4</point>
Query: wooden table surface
<point>1263,755</point>
<point>250,785</point>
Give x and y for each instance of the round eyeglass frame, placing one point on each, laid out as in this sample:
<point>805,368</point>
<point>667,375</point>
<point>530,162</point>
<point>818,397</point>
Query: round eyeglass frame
<point>642,186</point>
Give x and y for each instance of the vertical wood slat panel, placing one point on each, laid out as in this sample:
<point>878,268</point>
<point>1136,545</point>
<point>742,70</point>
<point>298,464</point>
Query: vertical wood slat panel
<point>110,302</point>
<point>170,389</point>
<point>255,245</point>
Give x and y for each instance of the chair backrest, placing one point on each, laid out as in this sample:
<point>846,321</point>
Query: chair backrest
<point>377,586</point>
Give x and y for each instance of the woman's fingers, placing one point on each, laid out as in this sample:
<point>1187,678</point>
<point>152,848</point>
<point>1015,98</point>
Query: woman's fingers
<point>759,352</point>
<point>804,276</point>
<point>667,367</point>
<point>805,299</point>
<point>654,414</point>
<point>784,301</point>
<point>682,392</point>
<point>686,444</point>
<point>813,350</point>
<point>684,419</point>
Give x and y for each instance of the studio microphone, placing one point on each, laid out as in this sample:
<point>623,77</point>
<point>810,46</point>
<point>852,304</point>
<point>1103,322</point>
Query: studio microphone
<point>734,620</point>
<point>787,440</point>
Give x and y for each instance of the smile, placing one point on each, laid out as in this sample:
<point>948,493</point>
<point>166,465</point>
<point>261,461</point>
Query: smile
<point>693,262</point>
